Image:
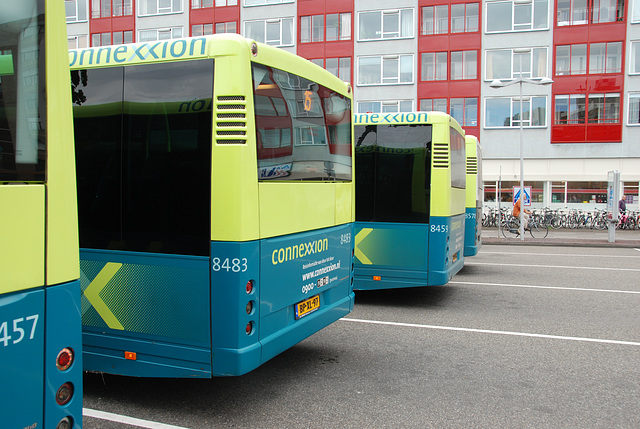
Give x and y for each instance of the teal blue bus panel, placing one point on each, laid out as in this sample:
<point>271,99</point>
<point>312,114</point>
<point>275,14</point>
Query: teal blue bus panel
<point>397,255</point>
<point>153,305</point>
<point>473,231</point>
<point>64,330</point>
<point>22,359</point>
<point>252,325</point>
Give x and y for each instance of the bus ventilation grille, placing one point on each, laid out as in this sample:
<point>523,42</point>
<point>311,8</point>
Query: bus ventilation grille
<point>440,155</point>
<point>472,165</point>
<point>231,119</point>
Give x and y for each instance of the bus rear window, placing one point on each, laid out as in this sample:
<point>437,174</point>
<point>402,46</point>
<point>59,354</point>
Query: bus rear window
<point>303,128</point>
<point>22,102</point>
<point>393,173</point>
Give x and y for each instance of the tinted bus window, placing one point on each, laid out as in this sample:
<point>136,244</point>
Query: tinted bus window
<point>149,165</point>
<point>458,159</point>
<point>22,111</point>
<point>393,173</point>
<point>303,128</point>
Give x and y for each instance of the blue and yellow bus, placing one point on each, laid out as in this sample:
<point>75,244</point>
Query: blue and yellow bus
<point>215,201</point>
<point>410,199</point>
<point>40,330</point>
<point>474,197</point>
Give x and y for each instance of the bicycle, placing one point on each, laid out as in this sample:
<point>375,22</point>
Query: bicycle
<point>511,228</point>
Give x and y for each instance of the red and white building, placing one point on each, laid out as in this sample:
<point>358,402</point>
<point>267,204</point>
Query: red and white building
<point>406,55</point>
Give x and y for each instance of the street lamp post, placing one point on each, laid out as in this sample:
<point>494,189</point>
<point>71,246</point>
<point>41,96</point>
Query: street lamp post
<point>497,83</point>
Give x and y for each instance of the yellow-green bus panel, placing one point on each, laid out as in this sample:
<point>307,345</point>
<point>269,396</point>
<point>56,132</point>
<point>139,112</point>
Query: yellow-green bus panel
<point>62,216</point>
<point>22,218</point>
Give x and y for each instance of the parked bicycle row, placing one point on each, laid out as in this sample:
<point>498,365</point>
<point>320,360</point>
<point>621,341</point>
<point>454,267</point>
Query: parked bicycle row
<point>572,218</point>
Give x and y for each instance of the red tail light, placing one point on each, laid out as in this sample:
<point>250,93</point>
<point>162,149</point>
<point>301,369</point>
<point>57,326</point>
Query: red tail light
<point>66,423</point>
<point>249,286</point>
<point>64,359</point>
<point>249,328</point>
<point>64,394</point>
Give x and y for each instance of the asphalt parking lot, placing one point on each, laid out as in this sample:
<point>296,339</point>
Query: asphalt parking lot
<point>524,336</point>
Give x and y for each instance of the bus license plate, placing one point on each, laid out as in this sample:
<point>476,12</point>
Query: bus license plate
<point>307,306</point>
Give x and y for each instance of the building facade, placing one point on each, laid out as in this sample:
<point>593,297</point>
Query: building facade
<point>406,55</point>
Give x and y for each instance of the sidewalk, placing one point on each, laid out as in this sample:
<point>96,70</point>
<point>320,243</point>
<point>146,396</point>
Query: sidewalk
<point>567,237</point>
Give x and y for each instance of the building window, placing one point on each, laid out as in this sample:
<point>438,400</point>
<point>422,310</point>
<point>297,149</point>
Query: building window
<point>385,24</point>
<point>435,20</point>
<point>385,70</point>
<point>201,29</point>
<point>312,28</point>
<point>340,67</point>
<point>434,66</point>
<point>599,108</point>
<point>226,27</point>
<point>265,2</point>
<point>387,106</point>
<point>577,12</point>
<point>122,7</point>
<point>505,64</point>
<point>201,4</point>
<point>464,18</point>
<point>221,3</point>
<point>607,11</point>
<point>465,111</point>
<point>77,42</point>
<point>76,10</point>
<point>604,108</point>
<point>634,108</point>
<point>464,65</point>
<point>504,112</point>
<point>338,26</point>
<point>151,35</point>
<point>570,109</point>
<point>101,39</point>
<point>605,57</point>
<point>510,16</point>
<point>635,14</point>
<point>122,37</point>
<point>571,59</point>
<point>275,32</point>
<point>634,62</point>
<point>433,105</point>
<point>159,7</point>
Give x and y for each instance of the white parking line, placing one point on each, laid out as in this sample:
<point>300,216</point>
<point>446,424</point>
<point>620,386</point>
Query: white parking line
<point>579,255</point>
<point>487,331</point>
<point>546,287</point>
<point>103,415</point>
<point>553,266</point>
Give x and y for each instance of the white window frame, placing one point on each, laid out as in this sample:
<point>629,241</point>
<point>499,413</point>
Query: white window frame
<point>280,21</point>
<point>76,19</point>
<point>512,101</point>
<point>512,63</point>
<point>389,12</point>
<point>251,3</point>
<point>141,3</point>
<point>635,12</point>
<point>162,30</point>
<point>632,56</point>
<point>513,24</point>
<point>78,41</point>
<point>635,96</point>
<point>388,58</point>
<point>389,105</point>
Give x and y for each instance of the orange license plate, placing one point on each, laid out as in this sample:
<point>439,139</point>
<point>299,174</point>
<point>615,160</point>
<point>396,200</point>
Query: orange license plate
<point>307,306</point>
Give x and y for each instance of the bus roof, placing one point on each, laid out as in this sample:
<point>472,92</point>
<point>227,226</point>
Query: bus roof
<point>209,46</point>
<point>406,118</point>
